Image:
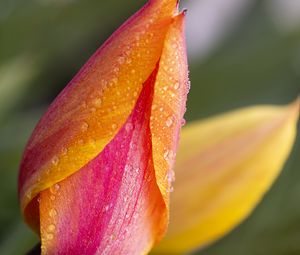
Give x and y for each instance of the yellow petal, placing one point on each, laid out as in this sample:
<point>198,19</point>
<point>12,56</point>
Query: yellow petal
<point>224,167</point>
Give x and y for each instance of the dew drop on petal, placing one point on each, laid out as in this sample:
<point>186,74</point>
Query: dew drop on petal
<point>171,189</point>
<point>51,227</point>
<point>128,127</point>
<point>169,121</point>
<point>55,160</point>
<point>84,126</point>
<point>56,186</point>
<point>127,168</point>
<point>97,102</point>
<point>171,176</point>
<point>166,154</point>
<point>104,83</point>
<point>52,212</point>
<point>64,151</point>
<point>43,248</point>
<point>121,60</point>
<point>50,236</point>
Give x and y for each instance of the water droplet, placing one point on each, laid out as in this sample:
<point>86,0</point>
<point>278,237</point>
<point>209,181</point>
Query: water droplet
<point>171,176</point>
<point>166,154</point>
<point>114,81</point>
<point>52,197</point>
<point>128,127</point>
<point>127,168</point>
<point>169,156</point>
<point>121,60</point>
<point>43,249</point>
<point>56,186</point>
<point>104,83</point>
<point>64,151</point>
<point>50,236</point>
<point>97,102</point>
<point>55,160</point>
<point>114,126</point>
<point>171,189</point>
<point>176,85</point>
<point>52,212</point>
<point>188,85</point>
<point>153,107</point>
<point>183,122</point>
<point>84,126</point>
<point>169,121</point>
<point>106,208</point>
<point>51,227</point>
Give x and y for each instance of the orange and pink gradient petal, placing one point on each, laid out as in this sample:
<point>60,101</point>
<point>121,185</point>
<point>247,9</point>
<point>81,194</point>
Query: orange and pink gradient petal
<point>112,205</point>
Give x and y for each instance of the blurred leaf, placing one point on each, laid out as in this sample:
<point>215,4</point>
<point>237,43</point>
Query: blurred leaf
<point>14,79</point>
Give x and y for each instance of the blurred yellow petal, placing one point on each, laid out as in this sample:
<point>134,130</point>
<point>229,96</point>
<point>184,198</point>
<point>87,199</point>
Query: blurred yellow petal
<point>224,167</point>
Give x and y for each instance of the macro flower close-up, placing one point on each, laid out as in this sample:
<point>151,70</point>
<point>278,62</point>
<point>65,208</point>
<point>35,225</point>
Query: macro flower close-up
<point>111,166</point>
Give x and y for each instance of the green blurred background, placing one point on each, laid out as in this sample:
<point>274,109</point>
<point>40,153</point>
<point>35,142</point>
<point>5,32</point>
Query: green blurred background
<point>242,52</point>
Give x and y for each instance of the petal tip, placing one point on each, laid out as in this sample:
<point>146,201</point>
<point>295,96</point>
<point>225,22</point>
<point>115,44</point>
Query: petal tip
<point>294,108</point>
<point>183,12</point>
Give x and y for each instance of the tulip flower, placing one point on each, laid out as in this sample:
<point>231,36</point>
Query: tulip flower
<point>97,172</point>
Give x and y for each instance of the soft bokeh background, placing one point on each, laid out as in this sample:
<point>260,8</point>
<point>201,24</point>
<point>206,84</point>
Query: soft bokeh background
<point>242,52</point>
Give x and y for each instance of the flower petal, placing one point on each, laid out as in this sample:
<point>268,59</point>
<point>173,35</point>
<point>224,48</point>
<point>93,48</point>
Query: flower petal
<point>90,111</point>
<point>113,204</point>
<point>169,100</point>
<point>224,167</point>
